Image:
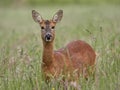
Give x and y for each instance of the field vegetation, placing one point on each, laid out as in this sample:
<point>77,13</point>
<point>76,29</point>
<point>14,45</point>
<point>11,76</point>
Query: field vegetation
<point>21,45</point>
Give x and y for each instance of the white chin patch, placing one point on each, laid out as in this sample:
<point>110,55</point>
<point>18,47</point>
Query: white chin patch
<point>48,40</point>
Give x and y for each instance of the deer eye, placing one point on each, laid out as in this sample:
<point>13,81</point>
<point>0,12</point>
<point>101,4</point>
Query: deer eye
<point>53,27</point>
<point>42,27</point>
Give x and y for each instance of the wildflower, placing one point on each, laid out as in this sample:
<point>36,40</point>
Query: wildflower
<point>53,88</point>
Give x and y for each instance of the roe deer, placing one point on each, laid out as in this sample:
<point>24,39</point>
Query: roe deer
<point>72,60</point>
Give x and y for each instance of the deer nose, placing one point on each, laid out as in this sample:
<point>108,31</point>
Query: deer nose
<point>48,37</point>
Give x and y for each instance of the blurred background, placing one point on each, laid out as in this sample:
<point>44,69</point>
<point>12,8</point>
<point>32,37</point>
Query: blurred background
<point>97,22</point>
<point>56,2</point>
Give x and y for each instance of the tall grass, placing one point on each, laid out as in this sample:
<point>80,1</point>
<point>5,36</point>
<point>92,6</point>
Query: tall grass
<point>21,46</point>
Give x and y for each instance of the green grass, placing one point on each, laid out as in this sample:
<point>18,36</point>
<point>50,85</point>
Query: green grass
<point>21,45</point>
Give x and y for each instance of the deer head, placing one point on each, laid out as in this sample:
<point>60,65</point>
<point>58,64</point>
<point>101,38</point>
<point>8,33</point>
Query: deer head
<point>47,26</point>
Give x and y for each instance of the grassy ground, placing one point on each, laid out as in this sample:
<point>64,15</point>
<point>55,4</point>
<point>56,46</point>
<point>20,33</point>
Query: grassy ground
<point>21,46</point>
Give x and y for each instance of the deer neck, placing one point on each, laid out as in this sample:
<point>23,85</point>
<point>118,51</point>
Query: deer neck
<point>48,53</point>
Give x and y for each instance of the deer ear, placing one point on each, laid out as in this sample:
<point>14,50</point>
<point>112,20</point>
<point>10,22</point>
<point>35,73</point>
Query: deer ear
<point>36,16</point>
<point>58,16</point>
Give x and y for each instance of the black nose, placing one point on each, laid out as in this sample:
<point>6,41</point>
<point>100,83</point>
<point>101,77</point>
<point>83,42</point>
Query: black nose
<point>48,37</point>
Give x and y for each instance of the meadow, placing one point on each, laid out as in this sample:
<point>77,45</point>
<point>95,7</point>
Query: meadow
<point>21,45</point>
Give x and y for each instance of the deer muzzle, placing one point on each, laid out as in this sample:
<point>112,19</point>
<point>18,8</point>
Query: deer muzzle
<point>48,37</point>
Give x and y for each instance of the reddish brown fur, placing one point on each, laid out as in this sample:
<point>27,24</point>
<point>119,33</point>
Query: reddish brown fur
<point>76,56</point>
<point>73,59</point>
